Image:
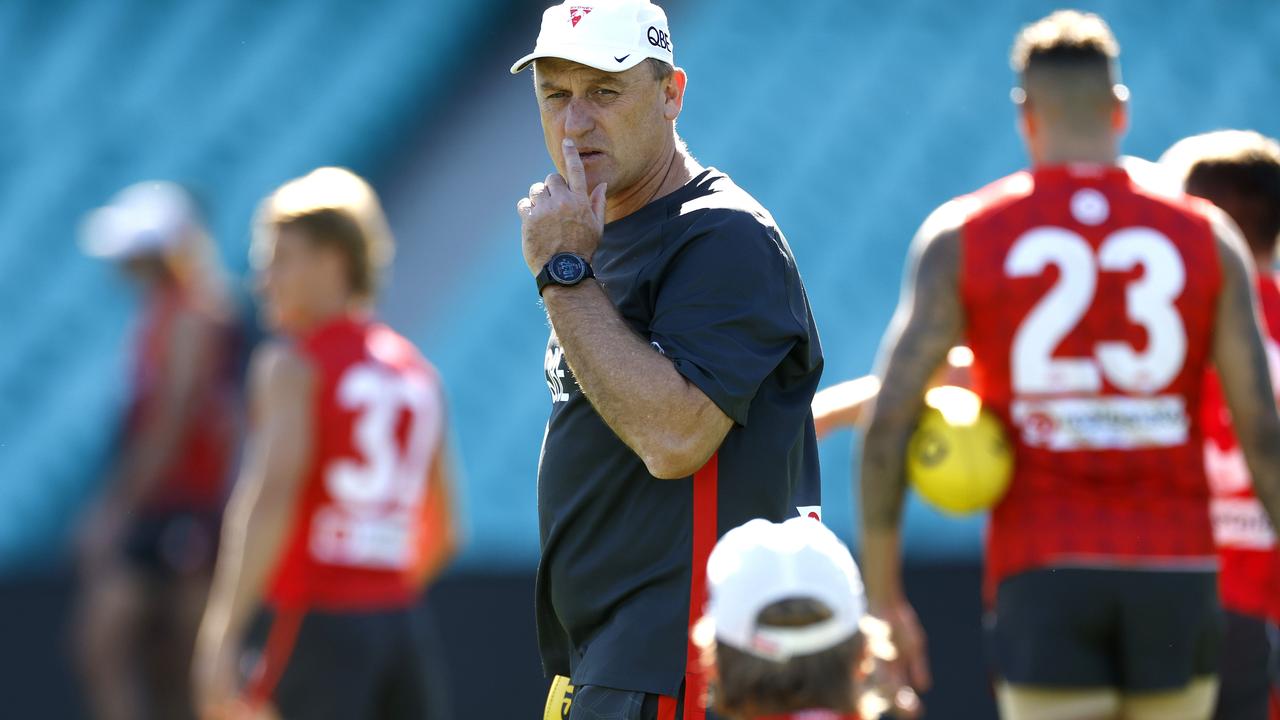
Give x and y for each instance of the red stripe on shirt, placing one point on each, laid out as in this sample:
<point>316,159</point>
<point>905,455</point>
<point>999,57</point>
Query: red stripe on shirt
<point>275,656</point>
<point>705,530</point>
<point>666,708</point>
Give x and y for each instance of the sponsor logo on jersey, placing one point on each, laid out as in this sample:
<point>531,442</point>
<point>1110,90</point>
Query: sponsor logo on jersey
<point>1102,423</point>
<point>1241,523</point>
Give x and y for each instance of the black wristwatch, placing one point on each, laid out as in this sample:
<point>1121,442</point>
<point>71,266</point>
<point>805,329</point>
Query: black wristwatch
<point>564,269</point>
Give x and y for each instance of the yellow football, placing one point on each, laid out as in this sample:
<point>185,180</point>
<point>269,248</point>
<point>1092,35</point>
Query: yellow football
<point>958,459</point>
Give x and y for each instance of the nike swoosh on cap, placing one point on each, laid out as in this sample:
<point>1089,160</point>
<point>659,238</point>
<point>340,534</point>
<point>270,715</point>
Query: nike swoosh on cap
<point>623,58</point>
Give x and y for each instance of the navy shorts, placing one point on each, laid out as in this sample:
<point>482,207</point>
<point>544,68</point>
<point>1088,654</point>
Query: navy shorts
<point>346,666</point>
<point>1246,670</point>
<point>1136,630</point>
<point>173,544</point>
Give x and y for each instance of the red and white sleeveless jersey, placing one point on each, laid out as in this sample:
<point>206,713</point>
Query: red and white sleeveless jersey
<point>1249,578</point>
<point>195,478</point>
<point>358,523</point>
<point>1090,303</point>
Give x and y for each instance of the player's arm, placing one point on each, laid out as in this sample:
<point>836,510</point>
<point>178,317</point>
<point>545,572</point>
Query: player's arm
<point>259,513</point>
<point>843,405</point>
<point>1240,356</point>
<point>928,321</point>
<point>846,404</point>
<point>440,540</point>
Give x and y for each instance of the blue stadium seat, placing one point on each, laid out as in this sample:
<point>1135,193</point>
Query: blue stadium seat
<point>230,98</point>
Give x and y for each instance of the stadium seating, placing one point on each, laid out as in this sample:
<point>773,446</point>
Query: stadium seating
<point>229,98</point>
<point>848,120</point>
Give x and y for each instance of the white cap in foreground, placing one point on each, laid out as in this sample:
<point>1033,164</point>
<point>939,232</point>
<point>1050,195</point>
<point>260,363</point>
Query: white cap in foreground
<point>761,563</point>
<point>608,35</point>
<point>146,218</point>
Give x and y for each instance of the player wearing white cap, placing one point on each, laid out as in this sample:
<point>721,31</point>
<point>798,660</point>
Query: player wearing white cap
<point>146,547</point>
<point>786,635</point>
<point>681,364</point>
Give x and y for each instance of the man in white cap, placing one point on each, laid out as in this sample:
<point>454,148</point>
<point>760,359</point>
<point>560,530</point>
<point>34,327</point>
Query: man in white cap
<point>681,364</point>
<point>786,635</point>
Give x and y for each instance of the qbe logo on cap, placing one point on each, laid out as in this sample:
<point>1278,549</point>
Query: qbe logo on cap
<point>659,38</point>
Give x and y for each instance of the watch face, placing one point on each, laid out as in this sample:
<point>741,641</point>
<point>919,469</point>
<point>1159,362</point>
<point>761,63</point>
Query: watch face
<point>567,268</point>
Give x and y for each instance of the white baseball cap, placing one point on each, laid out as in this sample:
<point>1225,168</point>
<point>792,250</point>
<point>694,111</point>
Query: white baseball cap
<point>146,218</point>
<point>608,35</point>
<point>761,563</point>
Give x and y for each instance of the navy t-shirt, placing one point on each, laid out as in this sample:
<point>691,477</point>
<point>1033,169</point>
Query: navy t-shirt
<point>706,277</point>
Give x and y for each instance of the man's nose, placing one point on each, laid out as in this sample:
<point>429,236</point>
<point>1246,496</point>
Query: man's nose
<point>578,119</point>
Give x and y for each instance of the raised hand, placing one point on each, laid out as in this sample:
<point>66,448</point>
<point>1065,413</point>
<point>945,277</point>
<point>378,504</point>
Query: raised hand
<point>560,216</point>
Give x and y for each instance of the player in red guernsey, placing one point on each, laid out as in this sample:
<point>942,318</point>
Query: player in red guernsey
<point>146,549</point>
<point>1093,306</point>
<point>341,512</point>
<point>1239,171</point>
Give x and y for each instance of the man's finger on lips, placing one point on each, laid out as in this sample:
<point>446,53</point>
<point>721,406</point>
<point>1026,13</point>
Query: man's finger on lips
<point>573,170</point>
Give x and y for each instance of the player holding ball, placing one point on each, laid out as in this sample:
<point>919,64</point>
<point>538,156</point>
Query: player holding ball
<point>1094,305</point>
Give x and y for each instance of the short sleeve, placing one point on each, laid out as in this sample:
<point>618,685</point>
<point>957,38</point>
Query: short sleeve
<point>729,309</point>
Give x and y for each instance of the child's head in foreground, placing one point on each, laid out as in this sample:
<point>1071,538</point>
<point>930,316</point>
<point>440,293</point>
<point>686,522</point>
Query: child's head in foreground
<point>786,628</point>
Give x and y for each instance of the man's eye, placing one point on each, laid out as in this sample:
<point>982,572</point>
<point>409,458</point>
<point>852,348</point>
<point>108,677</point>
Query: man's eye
<point>605,91</point>
<point>557,95</point>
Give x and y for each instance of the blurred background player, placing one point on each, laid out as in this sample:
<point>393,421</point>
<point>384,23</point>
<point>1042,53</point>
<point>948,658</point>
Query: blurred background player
<point>146,548</point>
<point>1093,307</point>
<point>341,513</point>
<point>786,635</point>
<point>1239,171</point>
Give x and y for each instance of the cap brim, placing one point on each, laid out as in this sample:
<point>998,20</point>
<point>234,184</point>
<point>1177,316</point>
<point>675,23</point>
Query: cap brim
<point>602,59</point>
<point>108,234</point>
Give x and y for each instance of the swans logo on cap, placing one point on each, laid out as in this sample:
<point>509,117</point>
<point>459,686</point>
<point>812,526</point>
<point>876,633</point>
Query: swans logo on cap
<point>576,13</point>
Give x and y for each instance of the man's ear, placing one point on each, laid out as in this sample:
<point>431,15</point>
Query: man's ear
<point>673,93</point>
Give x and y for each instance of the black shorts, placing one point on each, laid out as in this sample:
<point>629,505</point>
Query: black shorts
<point>593,702</point>
<point>1246,670</point>
<point>1135,630</point>
<point>346,666</point>
<point>173,544</point>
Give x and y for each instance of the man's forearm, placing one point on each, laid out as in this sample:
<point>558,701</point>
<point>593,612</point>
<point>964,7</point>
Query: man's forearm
<point>635,389</point>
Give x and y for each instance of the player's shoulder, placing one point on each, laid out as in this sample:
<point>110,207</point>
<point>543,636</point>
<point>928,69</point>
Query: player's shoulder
<point>279,364</point>
<point>389,347</point>
<point>992,197</point>
<point>1155,183</point>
